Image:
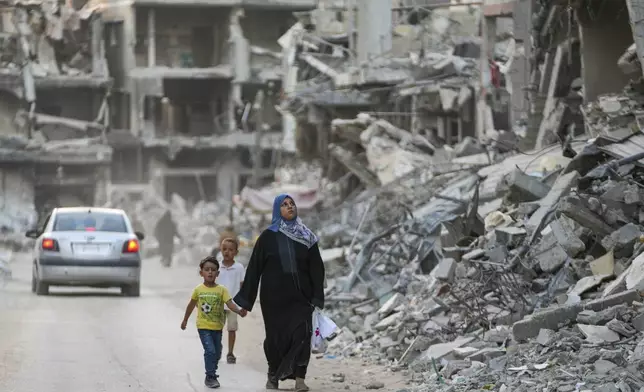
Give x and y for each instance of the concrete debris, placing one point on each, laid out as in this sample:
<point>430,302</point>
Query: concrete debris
<point>201,226</point>
<point>471,292</point>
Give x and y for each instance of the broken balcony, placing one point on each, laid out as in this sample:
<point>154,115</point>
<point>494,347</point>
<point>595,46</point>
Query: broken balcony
<point>184,107</point>
<point>181,43</point>
<point>66,51</point>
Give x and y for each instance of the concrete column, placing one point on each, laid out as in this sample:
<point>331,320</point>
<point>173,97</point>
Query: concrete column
<point>484,69</point>
<point>129,62</point>
<point>99,67</point>
<point>520,71</point>
<point>416,124</point>
<point>374,29</point>
<point>152,42</point>
<point>636,13</point>
<point>490,35</point>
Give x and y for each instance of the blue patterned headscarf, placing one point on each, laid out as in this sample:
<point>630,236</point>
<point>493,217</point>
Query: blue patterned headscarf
<point>294,228</point>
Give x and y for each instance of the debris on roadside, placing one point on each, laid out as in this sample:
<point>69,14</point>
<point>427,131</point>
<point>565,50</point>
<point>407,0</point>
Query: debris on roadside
<point>513,273</point>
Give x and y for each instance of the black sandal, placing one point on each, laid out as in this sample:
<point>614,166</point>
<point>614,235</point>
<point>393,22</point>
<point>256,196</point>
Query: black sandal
<point>231,358</point>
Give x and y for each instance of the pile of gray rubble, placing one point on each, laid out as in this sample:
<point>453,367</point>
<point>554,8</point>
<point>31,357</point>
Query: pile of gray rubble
<point>495,271</point>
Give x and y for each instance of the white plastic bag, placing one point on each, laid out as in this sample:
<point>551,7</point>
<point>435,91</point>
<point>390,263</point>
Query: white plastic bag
<point>323,327</point>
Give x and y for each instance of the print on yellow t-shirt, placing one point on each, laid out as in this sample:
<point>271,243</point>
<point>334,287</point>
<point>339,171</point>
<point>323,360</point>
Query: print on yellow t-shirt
<point>210,306</point>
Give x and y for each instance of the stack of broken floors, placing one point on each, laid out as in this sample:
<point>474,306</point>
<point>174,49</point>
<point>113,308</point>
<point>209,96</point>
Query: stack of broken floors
<point>547,298</point>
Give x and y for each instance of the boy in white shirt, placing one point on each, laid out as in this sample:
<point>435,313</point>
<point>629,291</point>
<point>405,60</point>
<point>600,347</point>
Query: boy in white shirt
<point>231,276</point>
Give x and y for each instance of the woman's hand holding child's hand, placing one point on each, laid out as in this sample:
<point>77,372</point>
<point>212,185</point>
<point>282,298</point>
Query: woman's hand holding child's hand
<point>243,312</point>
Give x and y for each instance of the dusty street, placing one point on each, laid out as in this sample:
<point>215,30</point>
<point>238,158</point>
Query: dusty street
<point>79,340</point>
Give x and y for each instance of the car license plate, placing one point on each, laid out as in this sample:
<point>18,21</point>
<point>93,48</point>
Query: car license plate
<point>89,249</point>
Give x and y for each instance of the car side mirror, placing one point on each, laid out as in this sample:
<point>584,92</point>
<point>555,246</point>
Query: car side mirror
<point>32,234</point>
<point>139,235</point>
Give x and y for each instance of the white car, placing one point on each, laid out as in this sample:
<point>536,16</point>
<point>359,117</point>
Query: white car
<point>86,246</point>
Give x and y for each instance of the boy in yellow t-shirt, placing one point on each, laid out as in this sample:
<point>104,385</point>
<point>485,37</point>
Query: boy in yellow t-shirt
<point>210,298</point>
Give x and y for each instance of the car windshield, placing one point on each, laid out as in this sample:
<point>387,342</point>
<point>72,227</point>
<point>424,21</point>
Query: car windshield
<point>89,221</point>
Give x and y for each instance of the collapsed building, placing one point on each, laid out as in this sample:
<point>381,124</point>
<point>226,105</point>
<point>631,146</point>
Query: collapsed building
<point>413,65</point>
<point>470,265</point>
<point>54,98</point>
<point>199,82</point>
<point>111,103</point>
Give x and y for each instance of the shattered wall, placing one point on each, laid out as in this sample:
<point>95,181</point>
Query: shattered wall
<point>59,38</point>
<point>17,198</point>
<point>197,107</point>
<point>185,37</point>
<point>263,28</point>
<point>605,34</point>
<point>9,106</point>
<point>74,103</point>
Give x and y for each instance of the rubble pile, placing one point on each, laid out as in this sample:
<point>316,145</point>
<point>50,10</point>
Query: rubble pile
<point>199,225</point>
<point>621,112</point>
<point>520,274</point>
<point>57,37</point>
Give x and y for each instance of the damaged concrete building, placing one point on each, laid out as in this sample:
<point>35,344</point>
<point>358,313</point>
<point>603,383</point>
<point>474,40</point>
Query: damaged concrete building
<point>54,88</point>
<point>104,101</point>
<point>504,270</point>
<point>410,69</point>
<point>580,52</point>
<point>194,83</point>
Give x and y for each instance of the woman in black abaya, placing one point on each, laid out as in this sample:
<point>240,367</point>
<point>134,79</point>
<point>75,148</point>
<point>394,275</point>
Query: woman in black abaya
<point>287,259</point>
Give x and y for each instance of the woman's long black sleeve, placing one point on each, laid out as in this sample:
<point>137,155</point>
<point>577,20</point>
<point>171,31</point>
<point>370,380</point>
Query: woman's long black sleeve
<point>317,276</point>
<point>248,291</point>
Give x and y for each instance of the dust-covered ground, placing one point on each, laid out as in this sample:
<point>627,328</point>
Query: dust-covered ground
<point>79,340</point>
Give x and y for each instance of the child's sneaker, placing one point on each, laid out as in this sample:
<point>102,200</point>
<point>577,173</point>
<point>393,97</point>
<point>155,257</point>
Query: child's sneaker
<point>231,358</point>
<point>212,382</point>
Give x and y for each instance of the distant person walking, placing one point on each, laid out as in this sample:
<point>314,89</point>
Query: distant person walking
<point>287,260</point>
<point>231,276</point>
<point>209,298</point>
<point>165,231</point>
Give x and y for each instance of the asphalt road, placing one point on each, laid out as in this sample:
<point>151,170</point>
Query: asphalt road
<point>82,340</point>
<point>91,340</point>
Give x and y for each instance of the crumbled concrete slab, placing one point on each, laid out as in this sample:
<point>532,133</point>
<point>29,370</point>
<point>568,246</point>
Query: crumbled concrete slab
<point>604,265</point>
<point>603,366</point>
<point>575,208</point>
<point>389,321</point>
<point>454,366</point>
<point>530,326</point>
<point>364,310</point>
<point>464,352</point>
<point>445,270</point>
<point>552,259</point>
<point>617,285</point>
<point>564,232</point>
<point>473,255</point>
<point>598,333</point>
<point>546,337</point>
<point>510,236</point>
<point>486,354</point>
<point>638,322</point>
<point>621,328</point>
<point>601,317</point>
<point>638,353</point>
<point>392,303</point>
<point>522,187</point>
<point>634,276</point>
<point>438,351</point>
<point>621,241</point>
<point>633,195</point>
<point>560,188</point>
<point>588,283</point>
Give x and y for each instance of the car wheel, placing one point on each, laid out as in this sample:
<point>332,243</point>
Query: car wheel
<point>41,288</point>
<point>132,290</point>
